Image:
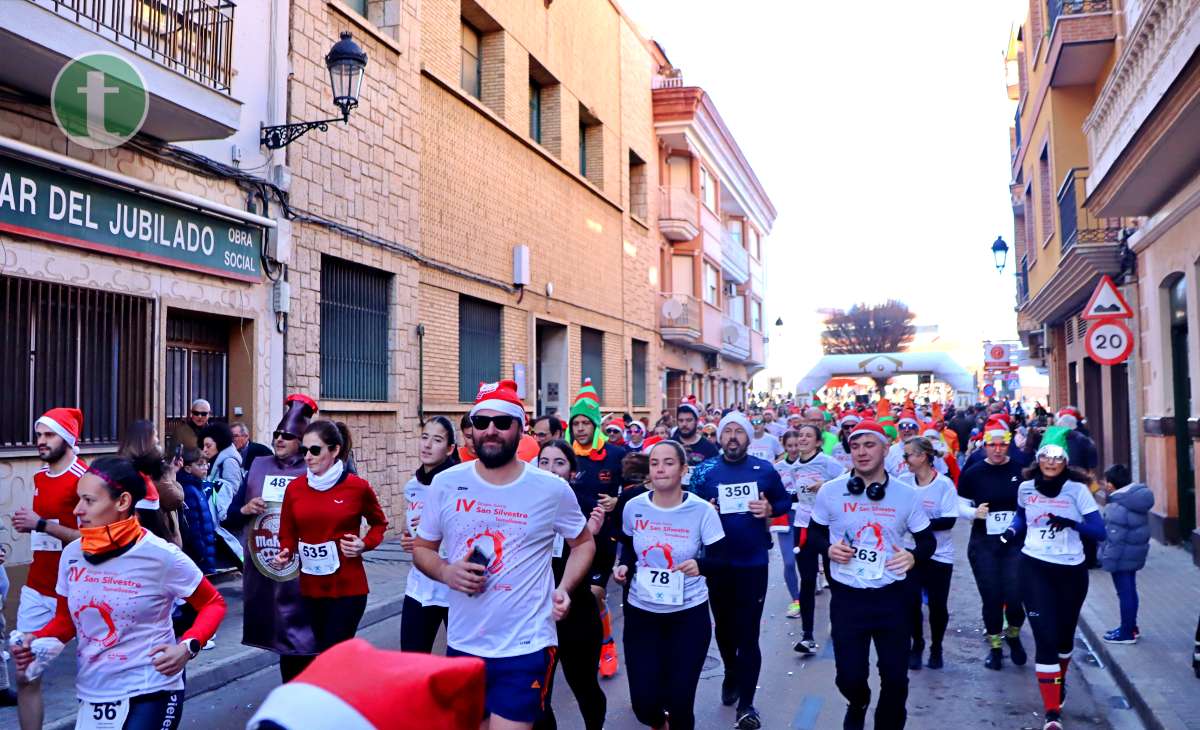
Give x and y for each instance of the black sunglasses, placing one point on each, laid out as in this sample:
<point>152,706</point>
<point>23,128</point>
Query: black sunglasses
<point>503,423</point>
<point>201,413</point>
<point>285,436</point>
<point>314,450</point>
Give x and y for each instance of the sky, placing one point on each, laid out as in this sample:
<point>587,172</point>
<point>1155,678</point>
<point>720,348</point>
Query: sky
<point>880,132</point>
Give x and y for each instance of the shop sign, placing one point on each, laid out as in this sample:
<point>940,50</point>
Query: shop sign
<point>50,205</point>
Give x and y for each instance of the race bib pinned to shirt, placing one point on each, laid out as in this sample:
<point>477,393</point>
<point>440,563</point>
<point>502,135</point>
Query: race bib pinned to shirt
<point>102,715</point>
<point>319,559</point>
<point>559,542</point>
<point>735,498</point>
<point>44,541</point>
<point>662,586</point>
<point>1046,540</point>
<point>865,564</point>
<point>998,522</point>
<point>274,485</point>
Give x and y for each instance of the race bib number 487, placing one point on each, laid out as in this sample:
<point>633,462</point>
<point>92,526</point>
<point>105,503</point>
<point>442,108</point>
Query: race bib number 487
<point>733,498</point>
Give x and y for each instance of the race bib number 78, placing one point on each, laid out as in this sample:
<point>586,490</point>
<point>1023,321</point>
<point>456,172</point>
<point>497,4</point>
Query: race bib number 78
<point>661,586</point>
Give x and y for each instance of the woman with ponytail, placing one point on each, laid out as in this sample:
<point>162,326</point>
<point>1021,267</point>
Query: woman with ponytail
<point>123,581</point>
<point>321,520</point>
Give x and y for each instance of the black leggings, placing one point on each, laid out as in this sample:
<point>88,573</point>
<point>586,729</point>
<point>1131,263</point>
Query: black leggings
<point>155,711</point>
<point>997,570</point>
<point>861,616</point>
<point>934,578</point>
<point>737,595</point>
<point>664,655</point>
<point>1054,595</point>
<point>806,566</point>
<point>579,637</point>
<point>292,664</point>
<point>419,625</point>
<point>334,620</point>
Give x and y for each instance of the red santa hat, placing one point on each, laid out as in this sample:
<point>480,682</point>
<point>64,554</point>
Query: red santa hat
<point>405,691</point>
<point>850,419</point>
<point>65,422</point>
<point>500,396</point>
<point>908,418</point>
<point>871,429</point>
<point>996,429</point>
<point>690,404</point>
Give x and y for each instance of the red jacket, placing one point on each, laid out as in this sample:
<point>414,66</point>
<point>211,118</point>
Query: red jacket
<point>316,517</point>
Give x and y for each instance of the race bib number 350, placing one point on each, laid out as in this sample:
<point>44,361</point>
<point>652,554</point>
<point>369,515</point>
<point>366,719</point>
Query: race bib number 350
<point>319,559</point>
<point>102,715</point>
<point>661,586</point>
<point>733,498</point>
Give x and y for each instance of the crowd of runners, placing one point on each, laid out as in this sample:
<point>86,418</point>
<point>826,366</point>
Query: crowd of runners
<point>523,532</point>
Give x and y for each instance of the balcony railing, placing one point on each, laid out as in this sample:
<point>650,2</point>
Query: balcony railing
<point>192,37</point>
<point>735,259</point>
<point>735,339</point>
<point>1075,223</point>
<point>679,317</point>
<point>1056,8</point>
<point>678,213</point>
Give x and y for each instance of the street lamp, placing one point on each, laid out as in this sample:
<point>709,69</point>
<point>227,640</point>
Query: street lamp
<point>779,322</point>
<point>1000,253</point>
<point>347,64</point>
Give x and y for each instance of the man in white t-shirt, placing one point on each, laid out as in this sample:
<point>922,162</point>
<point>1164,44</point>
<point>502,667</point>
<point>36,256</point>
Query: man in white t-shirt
<point>763,444</point>
<point>497,518</point>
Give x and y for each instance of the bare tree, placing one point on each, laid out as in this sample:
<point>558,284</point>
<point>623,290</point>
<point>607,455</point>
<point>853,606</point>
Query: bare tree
<point>866,328</point>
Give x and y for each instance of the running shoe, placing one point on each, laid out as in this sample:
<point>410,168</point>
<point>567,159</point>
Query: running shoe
<point>821,583</point>
<point>935,658</point>
<point>1016,651</point>
<point>793,610</point>
<point>608,660</point>
<point>1053,725</point>
<point>748,719</point>
<point>1116,636</point>
<point>994,660</point>
<point>806,646</point>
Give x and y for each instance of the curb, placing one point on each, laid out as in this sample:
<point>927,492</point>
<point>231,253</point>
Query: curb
<point>1140,697</point>
<point>250,660</point>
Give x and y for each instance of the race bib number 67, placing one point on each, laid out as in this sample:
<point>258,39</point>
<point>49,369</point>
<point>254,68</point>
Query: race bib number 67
<point>734,498</point>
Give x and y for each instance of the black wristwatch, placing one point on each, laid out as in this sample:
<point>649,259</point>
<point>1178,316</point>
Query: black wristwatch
<point>41,525</point>
<point>193,646</point>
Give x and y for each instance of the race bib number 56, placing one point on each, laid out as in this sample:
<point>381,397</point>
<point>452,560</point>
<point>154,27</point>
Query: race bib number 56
<point>733,498</point>
<point>102,715</point>
<point>661,586</point>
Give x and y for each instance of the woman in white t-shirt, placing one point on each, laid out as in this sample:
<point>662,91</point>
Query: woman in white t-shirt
<point>425,600</point>
<point>117,586</point>
<point>667,625</point>
<point>1055,509</point>
<point>939,499</point>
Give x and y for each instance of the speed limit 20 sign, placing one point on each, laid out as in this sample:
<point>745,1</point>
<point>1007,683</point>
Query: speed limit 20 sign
<point>1109,342</point>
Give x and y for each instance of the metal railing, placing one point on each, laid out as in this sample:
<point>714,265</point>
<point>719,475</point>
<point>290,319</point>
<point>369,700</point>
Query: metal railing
<point>735,258</point>
<point>193,37</point>
<point>679,312</point>
<point>1056,8</point>
<point>735,338</point>
<point>1075,223</point>
<point>667,82</point>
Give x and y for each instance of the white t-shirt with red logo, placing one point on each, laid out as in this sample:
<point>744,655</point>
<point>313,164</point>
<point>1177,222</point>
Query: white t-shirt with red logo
<point>515,524</point>
<point>1063,547</point>
<point>122,609</point>
<point>664,537</point>
<point>939,498</point>
<point>803,479</point>
<point>875,529</point>
<point>420,587</point>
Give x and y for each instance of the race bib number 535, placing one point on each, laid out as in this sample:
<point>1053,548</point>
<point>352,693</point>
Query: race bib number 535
<point>319,559</point>
<point>733,498</point>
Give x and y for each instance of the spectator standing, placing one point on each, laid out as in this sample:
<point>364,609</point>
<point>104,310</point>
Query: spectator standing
<point>1127,519</point>
<point>187,433</point>
<point>198,531</point>
<point>225,476</point>
<point>159,511</point>
<point>247,449</point>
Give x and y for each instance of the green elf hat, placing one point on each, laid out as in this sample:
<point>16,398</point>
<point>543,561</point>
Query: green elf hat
<point>1054,443</point>
<point>587,404</point>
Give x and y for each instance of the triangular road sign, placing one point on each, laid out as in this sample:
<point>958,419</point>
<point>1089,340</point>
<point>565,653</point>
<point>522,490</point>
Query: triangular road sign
<point>1107,302</point>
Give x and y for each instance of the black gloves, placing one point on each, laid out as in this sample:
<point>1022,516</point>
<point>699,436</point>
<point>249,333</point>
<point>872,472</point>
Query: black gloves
<point>1060,523</point>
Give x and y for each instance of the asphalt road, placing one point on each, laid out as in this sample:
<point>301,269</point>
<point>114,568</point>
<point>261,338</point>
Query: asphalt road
<point>799,694</point>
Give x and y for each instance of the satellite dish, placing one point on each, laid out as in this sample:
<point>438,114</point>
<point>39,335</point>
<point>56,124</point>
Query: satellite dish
<point>730,333</point>
<point>672,309</point>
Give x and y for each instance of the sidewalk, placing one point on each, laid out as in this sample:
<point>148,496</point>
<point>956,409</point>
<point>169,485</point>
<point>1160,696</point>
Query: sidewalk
<point>1155,673</point>
<point>387,570</point>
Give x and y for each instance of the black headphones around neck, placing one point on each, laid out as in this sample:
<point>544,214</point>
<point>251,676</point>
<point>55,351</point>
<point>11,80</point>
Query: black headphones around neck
<point>875,491</point>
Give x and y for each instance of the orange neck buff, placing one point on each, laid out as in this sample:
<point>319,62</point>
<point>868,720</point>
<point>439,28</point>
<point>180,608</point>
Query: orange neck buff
<point>117,535</point>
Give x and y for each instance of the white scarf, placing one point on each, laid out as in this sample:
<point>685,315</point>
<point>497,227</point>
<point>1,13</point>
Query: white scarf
<point>326,481</point>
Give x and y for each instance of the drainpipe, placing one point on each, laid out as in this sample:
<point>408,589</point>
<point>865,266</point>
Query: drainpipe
<point>421,373</point>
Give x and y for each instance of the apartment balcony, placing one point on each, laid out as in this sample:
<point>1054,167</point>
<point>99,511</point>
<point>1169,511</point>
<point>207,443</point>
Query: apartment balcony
<point>678,213</point>
<point>758,349</point>
<point>679,318</point>
<point>1076,224</point>
<point>735,339</point>
<point>735,259</point>
<point>182,48</point>
<point>1082,37</point>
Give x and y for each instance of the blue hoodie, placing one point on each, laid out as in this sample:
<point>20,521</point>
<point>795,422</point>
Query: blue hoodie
<point>747,539</point>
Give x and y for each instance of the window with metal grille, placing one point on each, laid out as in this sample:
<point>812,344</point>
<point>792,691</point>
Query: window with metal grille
<point>74,347</point>
<point>354,331</point>
<point>639,372</point>
<point>472,61</point>
<point>591,348</point>
<point>197,363</point>
<point>478,345</point>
